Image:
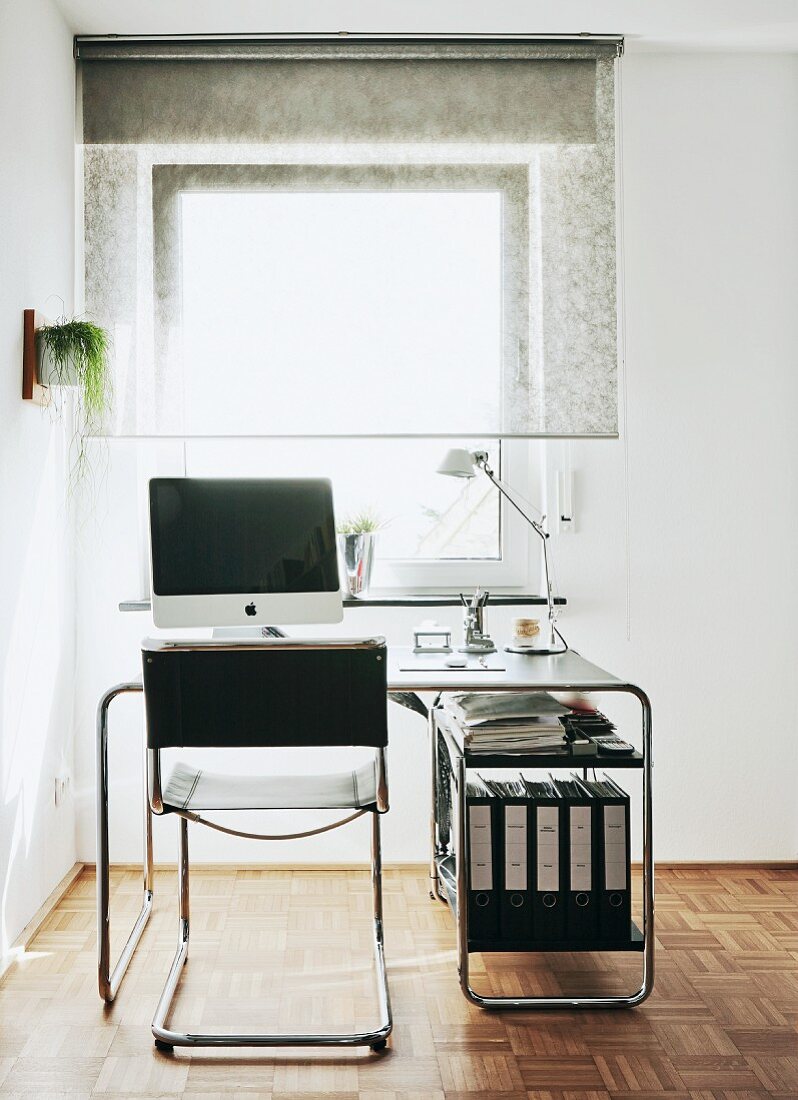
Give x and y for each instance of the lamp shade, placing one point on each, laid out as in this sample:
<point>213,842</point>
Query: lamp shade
<point>458,462</point>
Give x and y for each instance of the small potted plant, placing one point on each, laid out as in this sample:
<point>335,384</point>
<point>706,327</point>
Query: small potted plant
<point>75,354</point>
<point>357,535</point>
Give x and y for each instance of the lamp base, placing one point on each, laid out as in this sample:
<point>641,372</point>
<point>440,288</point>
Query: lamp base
<point>532,651</point>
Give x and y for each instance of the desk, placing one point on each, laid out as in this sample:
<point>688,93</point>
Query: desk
<point>512,672</point>
<point>407,675</point>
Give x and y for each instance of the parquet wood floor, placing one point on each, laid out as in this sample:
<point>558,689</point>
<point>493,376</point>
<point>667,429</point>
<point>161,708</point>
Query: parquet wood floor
<point>282,949</point>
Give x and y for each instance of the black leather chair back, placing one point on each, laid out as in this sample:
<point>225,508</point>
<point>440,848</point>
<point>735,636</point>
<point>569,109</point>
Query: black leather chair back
<point>241,696</point>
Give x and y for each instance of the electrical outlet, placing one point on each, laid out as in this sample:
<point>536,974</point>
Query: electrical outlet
<point>62,784</point>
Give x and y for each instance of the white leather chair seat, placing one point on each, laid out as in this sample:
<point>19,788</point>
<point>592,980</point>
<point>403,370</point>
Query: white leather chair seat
<point>191,788</point>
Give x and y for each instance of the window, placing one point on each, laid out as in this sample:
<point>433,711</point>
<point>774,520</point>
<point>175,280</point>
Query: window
<point>327,300</point>
<point>437,533</point>
<point>337,300</point>
<point>436,226</point>
<point>337,309</point>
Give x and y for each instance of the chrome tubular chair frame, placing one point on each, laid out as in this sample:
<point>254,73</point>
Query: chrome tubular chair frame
<point>459,770</point>
<point>166,1038</point>
<point>110,980</point>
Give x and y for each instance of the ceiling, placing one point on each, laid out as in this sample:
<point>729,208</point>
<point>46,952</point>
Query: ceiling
<point>733,25</point>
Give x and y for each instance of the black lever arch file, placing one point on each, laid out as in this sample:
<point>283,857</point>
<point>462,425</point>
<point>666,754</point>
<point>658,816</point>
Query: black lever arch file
<point>483,850</point>
<point>547,871</point>
<point>515,899</point>
<point>578,848</point>
<point>611,824</point>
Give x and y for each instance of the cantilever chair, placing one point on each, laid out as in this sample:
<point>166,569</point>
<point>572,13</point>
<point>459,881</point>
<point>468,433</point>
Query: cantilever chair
<point>247,695</point>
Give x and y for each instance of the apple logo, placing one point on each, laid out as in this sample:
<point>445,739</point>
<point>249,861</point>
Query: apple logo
<point>251,609</point>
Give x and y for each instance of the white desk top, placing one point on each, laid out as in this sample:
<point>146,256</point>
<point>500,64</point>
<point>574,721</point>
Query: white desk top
<point>412,672</point>
<point>408,671</point>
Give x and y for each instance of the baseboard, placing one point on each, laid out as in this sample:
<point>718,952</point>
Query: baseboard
<point>220,868</point>
<point>20,944</point>
<point>416,865</point>
<point>724,864</point>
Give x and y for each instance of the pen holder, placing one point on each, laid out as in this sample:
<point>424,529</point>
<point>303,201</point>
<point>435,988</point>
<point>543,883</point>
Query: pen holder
<point>476,640</point>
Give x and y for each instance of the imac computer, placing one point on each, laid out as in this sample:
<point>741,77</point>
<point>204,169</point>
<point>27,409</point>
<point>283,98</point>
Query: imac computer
<point>235,553</point>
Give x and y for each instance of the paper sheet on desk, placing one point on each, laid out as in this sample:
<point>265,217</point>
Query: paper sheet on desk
<point>424,667</point>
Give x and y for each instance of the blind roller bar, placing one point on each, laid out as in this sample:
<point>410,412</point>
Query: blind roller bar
<point>351,47</point>
<point>187,437</point>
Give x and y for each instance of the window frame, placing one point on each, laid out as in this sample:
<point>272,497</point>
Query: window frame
<point>513,570</point>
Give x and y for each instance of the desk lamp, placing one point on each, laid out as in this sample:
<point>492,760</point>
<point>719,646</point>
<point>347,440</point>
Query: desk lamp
<point>459,462</point>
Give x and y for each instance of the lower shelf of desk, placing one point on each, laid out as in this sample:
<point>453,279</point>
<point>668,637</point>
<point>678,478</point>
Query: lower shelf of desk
<point>516,947</point>
<point>551,760</point>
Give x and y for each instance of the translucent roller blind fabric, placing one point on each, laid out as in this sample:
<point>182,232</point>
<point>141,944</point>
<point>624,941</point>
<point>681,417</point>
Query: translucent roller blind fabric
<point>489,166</point>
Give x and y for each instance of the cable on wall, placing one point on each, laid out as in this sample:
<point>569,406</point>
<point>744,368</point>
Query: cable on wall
<point>621,267</point>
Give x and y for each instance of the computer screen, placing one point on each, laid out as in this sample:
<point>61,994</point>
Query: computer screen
<point>231,552</point>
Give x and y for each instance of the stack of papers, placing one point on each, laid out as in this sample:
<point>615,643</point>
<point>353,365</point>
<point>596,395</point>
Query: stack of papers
<point>507,722</point>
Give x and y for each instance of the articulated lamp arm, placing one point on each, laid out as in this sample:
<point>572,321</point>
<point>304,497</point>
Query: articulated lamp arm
<point>481,460</point>
<point>458,462</point>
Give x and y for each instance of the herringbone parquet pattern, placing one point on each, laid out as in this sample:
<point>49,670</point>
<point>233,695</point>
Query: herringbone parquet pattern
<point>280,949</point>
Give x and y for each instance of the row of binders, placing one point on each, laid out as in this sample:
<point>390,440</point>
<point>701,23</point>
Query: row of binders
<point>548,861</point>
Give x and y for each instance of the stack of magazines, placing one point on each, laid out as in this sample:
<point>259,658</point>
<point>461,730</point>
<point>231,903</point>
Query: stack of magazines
<point>507,722</point>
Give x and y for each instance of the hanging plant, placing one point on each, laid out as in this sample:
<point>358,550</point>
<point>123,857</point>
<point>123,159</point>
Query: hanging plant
<point>75,354</point>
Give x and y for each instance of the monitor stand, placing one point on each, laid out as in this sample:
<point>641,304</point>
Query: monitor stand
<point>246,632</point>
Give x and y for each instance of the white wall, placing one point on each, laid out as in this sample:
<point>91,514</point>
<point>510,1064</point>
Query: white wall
<point>711,152</point>
<point>37,843</point>
<point>710,155</point>
<point>688,586</point>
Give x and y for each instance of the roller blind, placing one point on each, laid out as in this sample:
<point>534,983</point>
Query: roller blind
<point>520,135</point>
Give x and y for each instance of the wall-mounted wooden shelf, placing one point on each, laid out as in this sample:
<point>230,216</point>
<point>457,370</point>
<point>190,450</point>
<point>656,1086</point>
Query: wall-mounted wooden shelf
<point>31,390</point>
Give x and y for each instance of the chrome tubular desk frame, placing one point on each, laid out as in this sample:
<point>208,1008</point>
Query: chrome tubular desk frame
<point>109,981</point>
<point>559,672</point>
